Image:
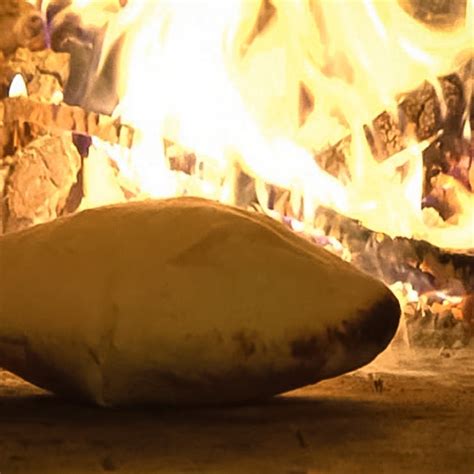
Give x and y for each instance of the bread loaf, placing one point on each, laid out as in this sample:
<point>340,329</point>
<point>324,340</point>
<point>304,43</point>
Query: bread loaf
<point>182,301</point>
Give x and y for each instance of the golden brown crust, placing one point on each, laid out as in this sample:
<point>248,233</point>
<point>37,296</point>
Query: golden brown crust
<point>184,301</point>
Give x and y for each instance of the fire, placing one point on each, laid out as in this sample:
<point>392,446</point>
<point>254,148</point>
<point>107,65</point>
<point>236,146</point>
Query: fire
<point>226,80</point>
<point>18,87</point>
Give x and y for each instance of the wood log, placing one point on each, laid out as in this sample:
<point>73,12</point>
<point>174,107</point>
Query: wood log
<point>60,118</point>
<point>38,182</point>
<point>418,262</point>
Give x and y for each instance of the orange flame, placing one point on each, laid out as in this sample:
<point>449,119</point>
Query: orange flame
<point>225,80</point>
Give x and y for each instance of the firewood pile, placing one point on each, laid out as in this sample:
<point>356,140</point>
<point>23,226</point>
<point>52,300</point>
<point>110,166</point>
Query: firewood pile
<point>45,142</point>
<point>38,168</point>
<point>37,135</point>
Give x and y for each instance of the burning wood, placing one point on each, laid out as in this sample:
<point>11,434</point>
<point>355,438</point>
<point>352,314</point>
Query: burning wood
<point>45,74</point>
<point>182,301</point>
<point>60,118</point>
<point>422,113</point>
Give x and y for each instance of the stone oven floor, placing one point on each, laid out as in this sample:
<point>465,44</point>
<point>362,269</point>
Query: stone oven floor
<point>422,422</point>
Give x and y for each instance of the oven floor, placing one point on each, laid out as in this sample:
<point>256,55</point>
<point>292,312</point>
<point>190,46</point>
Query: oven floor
<point>422,422</point>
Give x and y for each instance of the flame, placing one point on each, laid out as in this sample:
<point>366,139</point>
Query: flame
<point>18,87</point>
<point>225,79</point>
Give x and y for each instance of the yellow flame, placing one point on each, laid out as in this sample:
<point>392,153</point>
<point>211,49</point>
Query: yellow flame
<point>18,87</point>
<point>197,74</point>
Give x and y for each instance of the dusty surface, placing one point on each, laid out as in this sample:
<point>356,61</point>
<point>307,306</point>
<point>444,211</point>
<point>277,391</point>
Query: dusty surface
<point>422,422</point>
